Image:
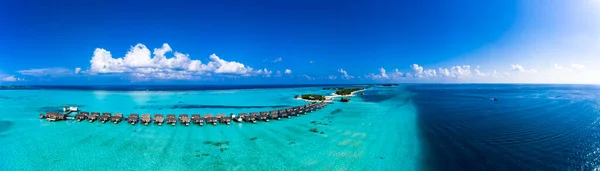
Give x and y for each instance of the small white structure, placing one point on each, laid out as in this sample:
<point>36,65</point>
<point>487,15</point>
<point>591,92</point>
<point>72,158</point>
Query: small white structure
<point>72,108</point>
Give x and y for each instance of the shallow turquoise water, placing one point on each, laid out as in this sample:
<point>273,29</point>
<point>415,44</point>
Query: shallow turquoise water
<point>363,135</point>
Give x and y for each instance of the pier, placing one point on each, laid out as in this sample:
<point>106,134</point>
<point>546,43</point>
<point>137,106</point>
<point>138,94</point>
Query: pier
<point>184,119</point>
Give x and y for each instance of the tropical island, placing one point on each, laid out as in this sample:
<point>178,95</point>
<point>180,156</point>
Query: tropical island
<point>345,92</point>
<point>313,97</point>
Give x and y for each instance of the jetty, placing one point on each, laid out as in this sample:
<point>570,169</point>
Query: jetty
<point>184,119</point>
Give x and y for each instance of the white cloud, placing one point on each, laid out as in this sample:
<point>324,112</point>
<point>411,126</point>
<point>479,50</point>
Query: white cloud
<point>382,72</point>
<point>332,77</point>
<point>416,68</point>
<point>277,60</point>
<point>288,71</point>
<point>77,70</point>
<point>265,72</point>
<point>139,63</point>
<point>46,72</point>
<point>311,62</point>
<point>9,78</point>
<point>459,72</point>
<point>345,74</point>
<point>520,68</point>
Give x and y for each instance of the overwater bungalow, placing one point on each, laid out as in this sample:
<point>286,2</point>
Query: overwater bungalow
<point>105,117</point>
<point>184,119</point>
<point>146,119</point>
<point>291,112</point>
<point>283,113</point>
<point>81,116</point>
<point>133,118</point>
<point>243,117</point>
<point>253,117</point>
<point>309,108</point>
<point>274,115</point>
<point>301,109</point>
<point>116,118</point>
<point>54,116</point>
<point>234,117</point>
<point>171,119</point>
<point>223,118</point>
<point>159,119</point>
<point>264,116</point>
<point>94,116</point>
<point>210,119</point>
<point>197,119</point>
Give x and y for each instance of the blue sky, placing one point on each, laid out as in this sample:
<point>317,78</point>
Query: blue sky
<point>256,42</point>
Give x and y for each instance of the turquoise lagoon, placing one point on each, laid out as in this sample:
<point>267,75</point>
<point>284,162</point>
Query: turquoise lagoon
<point>377,131</point>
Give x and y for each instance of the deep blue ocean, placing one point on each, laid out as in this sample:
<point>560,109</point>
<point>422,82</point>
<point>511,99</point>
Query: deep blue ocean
<point>530,127</point>
<point>438,126</point>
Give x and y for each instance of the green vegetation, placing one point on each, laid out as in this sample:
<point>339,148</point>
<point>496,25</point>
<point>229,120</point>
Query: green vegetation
<point>313,97</point>
<point>349,91</point>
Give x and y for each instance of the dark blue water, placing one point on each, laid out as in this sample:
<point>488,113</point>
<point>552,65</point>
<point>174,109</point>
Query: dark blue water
<point>530,127</point>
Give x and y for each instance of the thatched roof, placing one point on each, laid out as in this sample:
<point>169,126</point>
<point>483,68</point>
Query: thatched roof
<point>170,115</point>
<point>208,115</point>
<point>158,115</point>
<point>220,115</point>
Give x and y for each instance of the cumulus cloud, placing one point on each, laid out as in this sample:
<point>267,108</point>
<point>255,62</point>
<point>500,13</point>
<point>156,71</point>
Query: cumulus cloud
<point>288,71</point>
<point>46,72</point>
<point>382,74</point>
<point>520,68</point>
<point>419,72</point>
<point>139,63</point>
<point>332,77</point>
<point>277,60</point>
<point>345,74</point>
<point>77,70</point>
<point>265,72</point>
